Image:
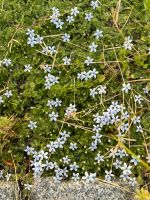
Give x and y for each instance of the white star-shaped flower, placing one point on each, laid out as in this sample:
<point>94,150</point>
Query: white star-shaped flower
<point>88,16</point>
<point>93,47</point>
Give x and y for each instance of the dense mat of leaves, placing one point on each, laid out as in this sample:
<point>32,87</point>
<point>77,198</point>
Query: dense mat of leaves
<point>74,89</point>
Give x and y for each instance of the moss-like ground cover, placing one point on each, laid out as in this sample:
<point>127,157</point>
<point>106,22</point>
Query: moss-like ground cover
<point>74,90</point>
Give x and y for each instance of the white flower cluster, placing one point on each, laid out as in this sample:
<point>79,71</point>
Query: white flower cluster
<point>128,43</point>
<point>126,173</point>
<point>66,37</point>
<point>101,89</point>
<point>87,75</point>
<point>95,4</point>
<point>99,158</point>
<point>47,69</point>
<point>74,13</point>
<point>41,162</point>
<point>93,47</point>
<point>89,177</point>
<point>126,87</point>
<point>108,175</point>
<point>108,117</point>
<point>138,99</point>
<point>146,90</point>
<point>49,50</point>
<point>50,80</point>
<point>6,62</point>
<point>33,38</point>
<point>60,174</point>
<point>27,68</point>
<point>32,125</point>
<point>66,60</point>
<point>5,176</point>
<point>8,94</point>
<point>97,140</point>
<point>98,34</point>
<point>88,61</point>
<point>88,16</point>
<point>73,146</point>
<point>37,164</point>
<point>60,141</point>
<point>70,110</point>
<point>56,103</point>
<point>55,18</point>
<point>116,115</point>
<point>41,158</point>
<point>53,116</point>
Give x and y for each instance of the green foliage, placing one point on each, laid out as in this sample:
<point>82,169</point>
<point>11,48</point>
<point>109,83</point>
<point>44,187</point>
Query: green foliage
<point>147,7</point>
<point>29,99</point>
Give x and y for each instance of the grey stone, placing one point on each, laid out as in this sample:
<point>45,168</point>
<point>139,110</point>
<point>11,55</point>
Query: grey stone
<point>47,189</point>
<point>7,190</point>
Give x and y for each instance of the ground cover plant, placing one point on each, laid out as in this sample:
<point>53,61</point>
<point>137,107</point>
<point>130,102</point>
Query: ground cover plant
<point>74,97</point>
